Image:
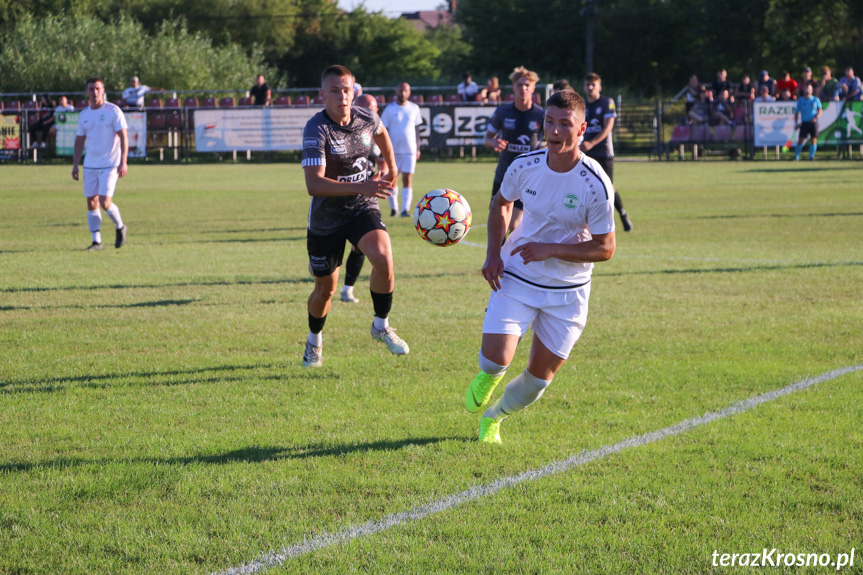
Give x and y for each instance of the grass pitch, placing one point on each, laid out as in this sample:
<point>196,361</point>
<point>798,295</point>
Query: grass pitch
<point>154,417</point>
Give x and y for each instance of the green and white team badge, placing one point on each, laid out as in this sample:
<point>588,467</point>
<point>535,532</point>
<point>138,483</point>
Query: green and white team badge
<point>570,202</point>
<point>367,139</point>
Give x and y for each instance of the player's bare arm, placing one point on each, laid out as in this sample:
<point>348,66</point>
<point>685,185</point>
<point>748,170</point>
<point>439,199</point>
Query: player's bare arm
<point>76,157</point>
<point>492,142</point>
<point>318,184</point>
<point>389,156</point>
<point>498,221</point>
<point>123,168</point>
<point>599,248</point>
<point>605,133</point>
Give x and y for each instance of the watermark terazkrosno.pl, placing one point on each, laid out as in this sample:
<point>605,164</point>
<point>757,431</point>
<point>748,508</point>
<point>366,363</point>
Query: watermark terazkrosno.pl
<point>775,558</point>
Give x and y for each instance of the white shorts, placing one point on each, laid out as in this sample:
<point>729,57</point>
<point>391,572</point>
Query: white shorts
<point>406,163</point>
<point>100,182</point>
<point>558,316</point>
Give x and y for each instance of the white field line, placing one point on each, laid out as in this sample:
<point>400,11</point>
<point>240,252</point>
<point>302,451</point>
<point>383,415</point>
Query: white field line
<point>276,558</point>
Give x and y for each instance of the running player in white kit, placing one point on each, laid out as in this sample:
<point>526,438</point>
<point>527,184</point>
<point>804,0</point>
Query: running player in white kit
<point>541,276</point>
<point>102,126</point>
<point>402,119</point>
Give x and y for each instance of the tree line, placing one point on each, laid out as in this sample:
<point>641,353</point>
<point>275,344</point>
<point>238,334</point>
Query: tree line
<point>643,47</point>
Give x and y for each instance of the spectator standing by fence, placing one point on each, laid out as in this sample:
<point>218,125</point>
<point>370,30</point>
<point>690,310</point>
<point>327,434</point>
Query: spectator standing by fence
<point>260,92</point>
<point>133,96</point>
<point>848,88</point>
<point>787,83</point>
<point>745,90</point>
<point>468,88</point>
<point>806,80</point>
<point>827,84</point>
<point>764,79</point>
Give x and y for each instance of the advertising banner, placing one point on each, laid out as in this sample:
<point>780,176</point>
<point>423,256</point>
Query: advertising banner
<point>255,129</point>
<point>450,126</point>
<point>10,136</point>
<point>840,123</point>
<point>136,122</point>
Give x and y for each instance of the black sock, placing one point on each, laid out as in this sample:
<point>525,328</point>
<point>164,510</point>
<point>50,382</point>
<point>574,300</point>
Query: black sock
<point>618,203</point>
<point>316,324</point>
<point>354,266</point>
<point>383,303</point>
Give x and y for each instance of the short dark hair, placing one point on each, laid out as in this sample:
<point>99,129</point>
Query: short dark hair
<point>592,77</point>
<point>567,100</point>
<point>95,79</point>
<point>562,84</point>
<point>336,70</point>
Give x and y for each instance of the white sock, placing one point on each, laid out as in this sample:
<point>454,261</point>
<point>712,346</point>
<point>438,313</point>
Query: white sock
<point>94,220</point>
<point>523,390</point>
<point>381,323</point>
<point>348,289</point>
<point>114,213</point>
<point>407,195</point>
<point>392,199</point>
<point>490,367</point>
<point>316,339</point>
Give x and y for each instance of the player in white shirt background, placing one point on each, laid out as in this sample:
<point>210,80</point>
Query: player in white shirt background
<point>102,127</point>
<point>540,278</point>
<point>402,119</point>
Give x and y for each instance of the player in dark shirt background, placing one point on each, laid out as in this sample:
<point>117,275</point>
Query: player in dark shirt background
<point>599,115</point>
<point>336,146</point>
<point>515,129</point>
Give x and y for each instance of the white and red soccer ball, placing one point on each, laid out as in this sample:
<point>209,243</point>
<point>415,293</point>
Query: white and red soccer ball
<point>442,217</point>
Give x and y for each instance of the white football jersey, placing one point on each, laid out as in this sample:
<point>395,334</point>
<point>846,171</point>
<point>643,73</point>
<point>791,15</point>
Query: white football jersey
<point>401,122</point>
<point>558,208</point>
<point>100,126</point>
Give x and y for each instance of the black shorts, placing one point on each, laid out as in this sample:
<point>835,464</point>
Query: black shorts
<point>495,188</point>
<point>326,251</point>
<point>808,129</point>
<point>607,165</point>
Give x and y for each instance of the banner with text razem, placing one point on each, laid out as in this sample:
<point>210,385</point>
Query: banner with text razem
<point>840,123</point>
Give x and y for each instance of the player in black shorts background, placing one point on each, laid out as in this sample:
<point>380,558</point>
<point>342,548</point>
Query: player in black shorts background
<point>337,142</point>
<point>599,115</point>
<point>515,129</point>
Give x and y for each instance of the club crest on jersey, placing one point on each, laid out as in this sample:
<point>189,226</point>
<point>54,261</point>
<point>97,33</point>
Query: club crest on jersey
<point>570,201</point>
<point>367,138</point>
<point>534,126</point>
<point>338,147</point>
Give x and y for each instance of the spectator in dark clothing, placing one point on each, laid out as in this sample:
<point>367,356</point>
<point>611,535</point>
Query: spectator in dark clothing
<point>806,80</point>
<point>764,79</point>
<point>723,83</point>
<point>40,122</point>
<point>722,111</point>
<point>745,90</point>
<point>827,85</point>
<point>261,92</point>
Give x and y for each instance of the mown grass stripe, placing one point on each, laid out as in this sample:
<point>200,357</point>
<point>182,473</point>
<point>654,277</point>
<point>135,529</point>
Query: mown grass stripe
<point>274,559</point>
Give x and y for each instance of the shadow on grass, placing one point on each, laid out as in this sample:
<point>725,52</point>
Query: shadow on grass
<point>216,283</point>
<point>246,240</point>
<point>156,378</point>
<point>832,169</point>
<point>160,303</point>
<point>748,269</point>
<point>752,216</point>
<point>253,454</point>
<point>257,231</point>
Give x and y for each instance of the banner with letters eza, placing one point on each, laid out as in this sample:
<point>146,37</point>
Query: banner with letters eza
<point>255,129</point>
<point>450,126</point>
<point>840,123</point>
<point>10,136</point>
<point>136,130</point>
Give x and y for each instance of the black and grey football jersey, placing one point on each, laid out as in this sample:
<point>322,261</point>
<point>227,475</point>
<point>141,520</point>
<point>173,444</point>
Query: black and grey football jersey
<point>344,151</point>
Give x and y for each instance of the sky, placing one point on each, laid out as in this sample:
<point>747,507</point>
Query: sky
<point>392,8</point>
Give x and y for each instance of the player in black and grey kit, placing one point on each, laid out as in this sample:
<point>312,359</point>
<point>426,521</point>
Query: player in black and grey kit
<point>599,115</point>
<point>515,129</point>
<point>336,145</point>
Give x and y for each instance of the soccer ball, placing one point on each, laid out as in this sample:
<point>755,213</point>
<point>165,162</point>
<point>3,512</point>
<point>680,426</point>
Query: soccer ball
<point>442,217</point>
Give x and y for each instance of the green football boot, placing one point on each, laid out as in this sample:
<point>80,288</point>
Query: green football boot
<point>479,391</point>
<point>489,431</point>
